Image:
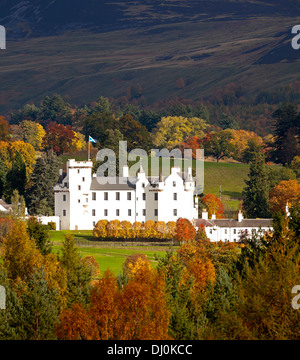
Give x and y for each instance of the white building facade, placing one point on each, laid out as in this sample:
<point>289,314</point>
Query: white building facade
<point>230,230</point>
<point>81,200</point>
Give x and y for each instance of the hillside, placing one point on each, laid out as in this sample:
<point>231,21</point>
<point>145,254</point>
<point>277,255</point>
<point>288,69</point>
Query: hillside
<point>86,49</point>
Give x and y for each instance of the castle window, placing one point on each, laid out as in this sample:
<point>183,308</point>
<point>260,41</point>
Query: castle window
<point>175,196</point>
<point>144,212</point>
<point>78,201</point>
<point>93,196</point>
<point>234,231</point>
<point>175,212</point>
<point>117,212</point>
<point>156,196</point>
<point>64,212</point>
<point>83,179</point>
<point>93,212</point>
<point>78,171</point>
<point>105,212</point>
<point>79,187</point>
<point>106,196</point>
<point>174,183</point>
<point>155,212</point>
<point>64,197</point>
<point>117,196</point>
<point>94,223</point>
<point>144,196</point>
<point>129,212</point>
<point>129,196</point>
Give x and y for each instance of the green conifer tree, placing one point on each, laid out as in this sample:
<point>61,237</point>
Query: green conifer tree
<point>256,192</point>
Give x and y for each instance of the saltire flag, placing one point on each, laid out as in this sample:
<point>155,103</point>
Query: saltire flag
<point>92,140</point>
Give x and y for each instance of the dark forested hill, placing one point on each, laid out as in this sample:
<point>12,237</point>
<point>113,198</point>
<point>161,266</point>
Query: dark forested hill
<point>168,48</point>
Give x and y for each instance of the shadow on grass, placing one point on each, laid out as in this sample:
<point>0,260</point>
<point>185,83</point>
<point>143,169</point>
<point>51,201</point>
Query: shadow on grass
<point>233,194</point>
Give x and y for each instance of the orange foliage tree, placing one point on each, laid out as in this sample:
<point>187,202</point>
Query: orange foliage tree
<point>100,229</point>
<point>185,230</point>
<point>138,311</point>
<point>144,314</point>
<point>214,205</point>
<point>287,191</point>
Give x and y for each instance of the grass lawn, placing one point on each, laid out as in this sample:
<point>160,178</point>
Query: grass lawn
<point>108,255</point>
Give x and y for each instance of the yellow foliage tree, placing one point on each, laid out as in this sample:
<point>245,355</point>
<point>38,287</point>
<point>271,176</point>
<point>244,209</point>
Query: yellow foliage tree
<point>79,142</point>
<point>114,229</point>
<point>149,230</point>
<point>19,252</point>
<point>171,131</point>
<point>171,229</point>
<point>100,230</point>
<point>286,192</point>
<point>32,133</point>
<point>127,229</point>
<point>27,153</point>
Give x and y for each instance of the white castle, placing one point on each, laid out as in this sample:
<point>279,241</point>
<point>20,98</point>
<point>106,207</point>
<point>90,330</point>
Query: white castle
<point>81,200</point>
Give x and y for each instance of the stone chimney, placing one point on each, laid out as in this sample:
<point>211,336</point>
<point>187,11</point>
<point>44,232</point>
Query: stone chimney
<point>213,217</point>
<point>240,216</point>
<point>204,214</point>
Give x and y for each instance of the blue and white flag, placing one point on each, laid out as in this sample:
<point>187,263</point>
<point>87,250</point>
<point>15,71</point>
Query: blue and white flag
<point>92,140</point>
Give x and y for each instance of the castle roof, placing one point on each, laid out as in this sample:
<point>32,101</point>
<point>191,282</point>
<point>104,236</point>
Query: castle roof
<point>234,223</point>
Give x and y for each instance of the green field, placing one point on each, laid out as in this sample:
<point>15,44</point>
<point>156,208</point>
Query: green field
<point>108,255</point>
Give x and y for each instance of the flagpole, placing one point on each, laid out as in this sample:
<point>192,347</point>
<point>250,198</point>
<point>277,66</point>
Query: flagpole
<point>89,150</point>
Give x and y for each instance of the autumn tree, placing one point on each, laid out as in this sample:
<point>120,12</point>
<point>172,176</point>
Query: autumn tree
<point>185,230</point>
<point>5,129</point>
<point>219,145</point>
<point>59,138</point>
<point>100,229</point>
<point>285,193</point>
<point>143,311</point>
<point>242,139</point>
<point>75,323</point>
<point>104,308</point>
<point>19,252</point>
<point>32,133</point>
<point>214,205</point>
<point>173,130</point>
<point>194,143</point>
